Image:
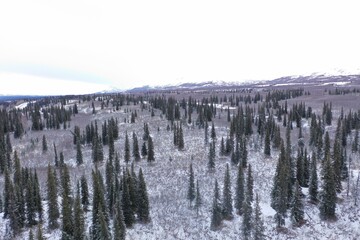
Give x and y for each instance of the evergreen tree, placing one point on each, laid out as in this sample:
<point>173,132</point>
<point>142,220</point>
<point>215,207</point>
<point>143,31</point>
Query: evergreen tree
<point>66,206</point>
<point>211,162</point>
<point>31,235</point>
<point>84,193</point>
<point>191,188</point>
<point>337,163</point>
<point>143,211</point>
<point>328,193</point>
<point>355,144</point>
<point>56,157</point>
<point>100,220</point>
<point>181,143</point>
<point>246,225</point>
<point>143,150</point>
<point>198,198</point>
<point>227,206</point>
<point>151,154</point>
<point>259,228</point>
<point>39,235</point>
<point>61,159</point>
<point>216,217</point>
<point>240,190</point>
<point>136,152</point>
<point>222,147</point>
<point>53,210</point>
<point>313,186</point>
<point>250,185</point>
<point>119,224</point>
<point>279,192</point>
<point>267,149</point>
<point>244,155</point>
<point>44,144</point>
<point>297,206</point>
<point>127,149</point>
<point>126,204</point>
<point>79,156</point>
<point>79,221</point>
<point>213,133</point>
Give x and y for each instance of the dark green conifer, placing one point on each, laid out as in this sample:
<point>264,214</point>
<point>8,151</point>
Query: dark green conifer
<point>259,228</point>
<point>53,210</point>
<point>297,206</point>
<point>143,210</point>
<point>191,188</point>
<point>216,217</point>
<point>227,207</point>
<point>151,154</point>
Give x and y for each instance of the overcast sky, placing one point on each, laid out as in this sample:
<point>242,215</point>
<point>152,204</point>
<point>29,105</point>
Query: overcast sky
<point>134,43</point>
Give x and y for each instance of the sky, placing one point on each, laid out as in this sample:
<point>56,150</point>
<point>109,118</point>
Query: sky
<point>81,46</point>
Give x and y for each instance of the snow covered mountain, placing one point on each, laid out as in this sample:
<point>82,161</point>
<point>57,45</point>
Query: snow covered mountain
<point>316,79</point>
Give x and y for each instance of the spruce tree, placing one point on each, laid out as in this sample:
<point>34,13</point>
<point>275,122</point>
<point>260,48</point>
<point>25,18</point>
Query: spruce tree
<point>127,149</point>
<point>267,149</point>
<point>213,133</point>
<point>279,193</point>
<point>250,185</point>
<point>216,217</point>
<point>240,190</point>
<point>181,143</point>
<point>198,198</point>
<point>297,206</point>
<point>191,188</point>
<point>119,224</point>
<point>56,157</point>
<point>100,219</point>
<point>150,154</point>
<point>211,162</point>
<point>44,144</point>
<point>126,204</point>
<point>39,235</point>
<point>143,211</point>
<point>53,210</point>
<point>313,186</point>
<point>143,150</point>
<point>246,225</point>
<point>136,152</point>
<point>79,221</point>
<point>66,206</point>
<point>259,228</point>
<point>328,194</point>
<point>79,156</point>
<point>84,193</point>
<point>227,207</point>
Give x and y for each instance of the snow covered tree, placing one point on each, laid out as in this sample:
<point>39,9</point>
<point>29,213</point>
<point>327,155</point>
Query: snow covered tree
<point>279,193</point>
<point>198,198</point>
<point>53,210</point>
<point>119,223</point>
<point>227,207</point>
<point>84,193</point>
<point>129,217</point>
<point>143,150</point>
<point>267,148</point>
<point>44,144</point>
<point>216,217</point>
<point>79,221</point>
<point>328,194</point>
<point>247,223</point>
<point>211,162</point>
<point>79,156</point>
<point>150,153</point>
<point>136,152</point>
<point>143,210</point>
<point>258,224</point>
<point>191,188</point>
<point>313,185</point>
<point>213,133</point>
<point>250,185</point>
<point>297,206</point>
<point>127,149</point>
<point>240,190</point>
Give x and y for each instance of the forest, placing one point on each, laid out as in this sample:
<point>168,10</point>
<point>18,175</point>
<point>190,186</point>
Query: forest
<point>244,163</point>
